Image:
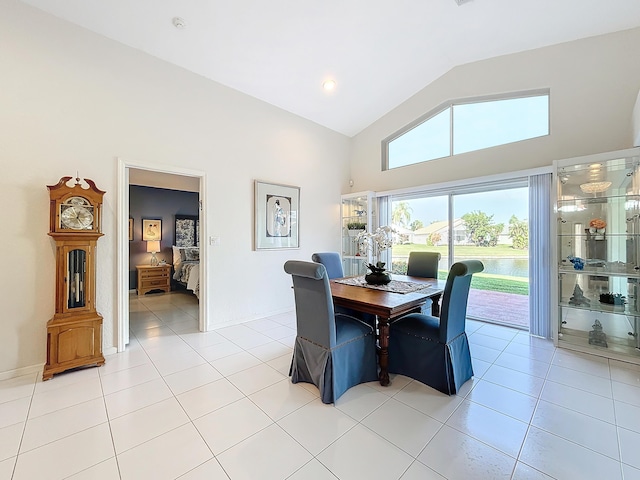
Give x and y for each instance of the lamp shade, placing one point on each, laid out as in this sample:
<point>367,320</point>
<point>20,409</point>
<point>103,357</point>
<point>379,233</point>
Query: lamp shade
<point>153,246</point>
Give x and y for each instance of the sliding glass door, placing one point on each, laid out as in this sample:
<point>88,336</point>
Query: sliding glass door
<point>485,222</point>
<point>494,229</point>
<point>421,225</point>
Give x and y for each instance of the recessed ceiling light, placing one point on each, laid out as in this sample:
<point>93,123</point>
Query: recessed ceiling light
<point>179,22</point>
<point>329,85</point>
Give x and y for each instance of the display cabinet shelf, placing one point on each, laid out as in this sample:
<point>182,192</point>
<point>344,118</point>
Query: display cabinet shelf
<point>604,308</point>
<point>597,250</point>
<point>609,270</point>
<point>617,347</point>
<point>595,200</point>
<point>587,235</point>
<point>357,215</point>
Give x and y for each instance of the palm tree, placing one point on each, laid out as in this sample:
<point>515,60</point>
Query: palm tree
<point>401,214</point>
<point>519,232</point>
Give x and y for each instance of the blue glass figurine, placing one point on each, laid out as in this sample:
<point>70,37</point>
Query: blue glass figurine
<point>578,263</point>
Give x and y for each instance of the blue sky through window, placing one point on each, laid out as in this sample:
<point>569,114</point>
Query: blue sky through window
<point>476,126</point>
<point>501,204</point>
<point>426,141</point>
<point>487,124</point>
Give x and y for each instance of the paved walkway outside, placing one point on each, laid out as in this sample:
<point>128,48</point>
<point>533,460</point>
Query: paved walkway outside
<point>498,307</point>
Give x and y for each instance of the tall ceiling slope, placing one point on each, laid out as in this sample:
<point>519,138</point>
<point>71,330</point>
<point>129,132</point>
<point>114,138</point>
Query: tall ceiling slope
<point>378,52</point>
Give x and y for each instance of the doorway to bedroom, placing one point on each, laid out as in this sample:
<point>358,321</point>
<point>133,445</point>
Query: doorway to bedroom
<point>161,204</point>
<point>163,241</point>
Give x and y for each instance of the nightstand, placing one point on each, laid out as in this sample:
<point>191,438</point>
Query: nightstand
<point>153,278</point>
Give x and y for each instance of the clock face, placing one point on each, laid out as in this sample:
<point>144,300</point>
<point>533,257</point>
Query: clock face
<point>76,213</point>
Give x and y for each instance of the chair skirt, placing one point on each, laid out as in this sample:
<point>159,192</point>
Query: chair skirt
<point>445,367</point>
<point>335,370</point>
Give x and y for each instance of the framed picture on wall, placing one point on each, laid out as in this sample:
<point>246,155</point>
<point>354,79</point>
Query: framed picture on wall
<point>151,229</point>
<point>277,216</point>
<point>130,229</point>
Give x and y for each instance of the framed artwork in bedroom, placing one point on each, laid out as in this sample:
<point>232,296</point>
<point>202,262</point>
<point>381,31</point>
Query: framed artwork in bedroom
<point>151,229</point>
<point>130,229</point>
<point>277,216</point>
<point>187,231</point>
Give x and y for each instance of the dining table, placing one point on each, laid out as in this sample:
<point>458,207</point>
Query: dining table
<point>404,294</point>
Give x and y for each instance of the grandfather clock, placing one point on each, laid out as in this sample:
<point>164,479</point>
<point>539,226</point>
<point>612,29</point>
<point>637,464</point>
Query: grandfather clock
<point>74,334</point>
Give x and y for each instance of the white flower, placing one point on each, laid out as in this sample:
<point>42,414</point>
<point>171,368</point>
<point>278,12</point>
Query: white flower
<point>375,242</point>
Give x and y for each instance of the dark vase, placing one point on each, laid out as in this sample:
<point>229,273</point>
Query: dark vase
<point>378,275</point>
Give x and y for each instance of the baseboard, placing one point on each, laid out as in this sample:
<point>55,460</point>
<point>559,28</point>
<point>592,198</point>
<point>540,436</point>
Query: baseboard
<point>19,372</point>
<point>110,351</point>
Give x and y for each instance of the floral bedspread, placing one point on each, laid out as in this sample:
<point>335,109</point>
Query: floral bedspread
<point>189,274</point>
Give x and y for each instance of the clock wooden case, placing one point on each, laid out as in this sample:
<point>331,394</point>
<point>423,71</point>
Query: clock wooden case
<point>74,334</point>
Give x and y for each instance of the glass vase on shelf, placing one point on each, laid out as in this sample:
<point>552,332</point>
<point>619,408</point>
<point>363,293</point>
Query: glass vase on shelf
<point>374,243</point>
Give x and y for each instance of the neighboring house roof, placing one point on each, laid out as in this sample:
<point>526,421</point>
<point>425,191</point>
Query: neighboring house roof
<point>438,227</point>
<point>402,230</point>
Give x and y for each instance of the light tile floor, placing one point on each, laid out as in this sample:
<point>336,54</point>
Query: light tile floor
<point>219,405</point>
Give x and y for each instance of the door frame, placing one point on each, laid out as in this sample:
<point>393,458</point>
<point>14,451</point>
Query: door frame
<point>122,244</point>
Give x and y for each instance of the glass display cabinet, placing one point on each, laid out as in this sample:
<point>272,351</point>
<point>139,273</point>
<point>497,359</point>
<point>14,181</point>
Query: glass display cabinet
<point>598,254</point>
<point>358,214</point>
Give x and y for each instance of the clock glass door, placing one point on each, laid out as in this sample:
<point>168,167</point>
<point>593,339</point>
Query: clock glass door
<point>76,278</point>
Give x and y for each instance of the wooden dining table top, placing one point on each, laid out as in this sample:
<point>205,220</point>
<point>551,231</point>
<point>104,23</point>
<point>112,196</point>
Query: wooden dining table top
<point>383,303</point>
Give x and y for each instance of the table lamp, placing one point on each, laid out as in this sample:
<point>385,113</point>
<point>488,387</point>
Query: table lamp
<point>153,246</point>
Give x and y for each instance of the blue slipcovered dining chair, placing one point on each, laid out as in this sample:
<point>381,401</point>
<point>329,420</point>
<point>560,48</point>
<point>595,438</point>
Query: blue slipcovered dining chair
<point>424,264</point>
<point>333,263</point>
<point>435,351</point>
<point>332,350</point>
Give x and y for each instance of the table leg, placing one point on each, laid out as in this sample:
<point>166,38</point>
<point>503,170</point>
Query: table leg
<point>435,305</point>
<point>383,354</point>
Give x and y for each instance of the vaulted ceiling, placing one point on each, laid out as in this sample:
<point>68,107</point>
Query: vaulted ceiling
<point>379,52</point>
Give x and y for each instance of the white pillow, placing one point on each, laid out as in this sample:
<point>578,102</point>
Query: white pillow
<point>177,255</point>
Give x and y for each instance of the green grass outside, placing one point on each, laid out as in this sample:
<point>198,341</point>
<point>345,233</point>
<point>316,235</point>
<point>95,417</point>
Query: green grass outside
<point>497,283</point>
<point>462,250</point>
<point>480,281</point>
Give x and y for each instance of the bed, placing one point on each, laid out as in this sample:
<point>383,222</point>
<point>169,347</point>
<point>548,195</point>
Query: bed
<point>186,253</point>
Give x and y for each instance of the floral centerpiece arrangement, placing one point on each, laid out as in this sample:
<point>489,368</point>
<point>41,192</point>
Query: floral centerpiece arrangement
<point>375,243</point>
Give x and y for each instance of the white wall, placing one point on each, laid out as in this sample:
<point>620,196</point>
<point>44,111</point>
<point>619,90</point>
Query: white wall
<point>636,122</point>
<point>72,100</point>
<point>593,82</point>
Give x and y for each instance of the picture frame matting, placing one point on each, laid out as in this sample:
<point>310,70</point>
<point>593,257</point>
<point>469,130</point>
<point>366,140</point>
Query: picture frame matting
<point>151,229</point>
<point>277,216</point>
